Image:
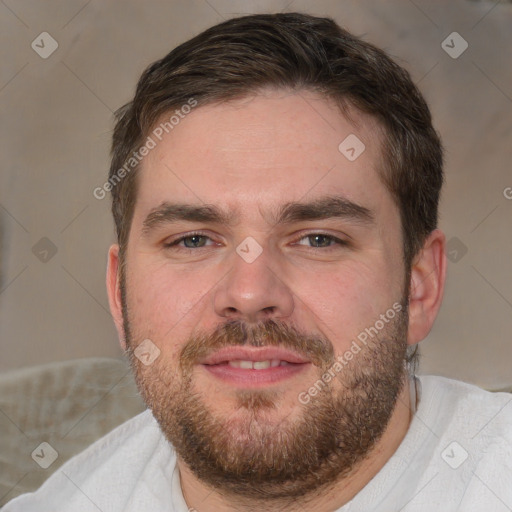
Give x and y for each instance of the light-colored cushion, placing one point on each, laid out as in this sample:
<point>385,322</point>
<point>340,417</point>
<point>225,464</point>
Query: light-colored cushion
<point>68,405</point>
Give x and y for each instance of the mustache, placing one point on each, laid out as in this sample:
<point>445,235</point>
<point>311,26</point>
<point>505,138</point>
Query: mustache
<point>274,333</point>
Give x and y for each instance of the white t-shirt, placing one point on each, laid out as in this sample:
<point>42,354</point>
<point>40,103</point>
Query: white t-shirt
<point>456,456</point>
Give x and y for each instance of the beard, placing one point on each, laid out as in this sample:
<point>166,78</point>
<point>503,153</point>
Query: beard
<point>247,453</point>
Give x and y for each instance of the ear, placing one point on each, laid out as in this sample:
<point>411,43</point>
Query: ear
<point>428,274</point>
<point>114,292</point>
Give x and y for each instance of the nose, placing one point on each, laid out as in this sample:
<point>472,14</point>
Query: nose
<point>253,292</point>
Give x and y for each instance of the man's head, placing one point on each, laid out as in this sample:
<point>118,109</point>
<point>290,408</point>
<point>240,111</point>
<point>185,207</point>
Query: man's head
<point>298,52</point>
<point>284,212</point>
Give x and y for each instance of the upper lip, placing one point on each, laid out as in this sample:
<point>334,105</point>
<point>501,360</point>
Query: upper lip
<point>252,354</point>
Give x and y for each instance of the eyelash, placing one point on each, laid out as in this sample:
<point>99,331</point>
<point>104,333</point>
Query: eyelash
<point>336,241</point>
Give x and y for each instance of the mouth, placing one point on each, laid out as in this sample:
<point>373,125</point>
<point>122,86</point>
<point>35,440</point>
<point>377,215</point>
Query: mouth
<point>252,367</point>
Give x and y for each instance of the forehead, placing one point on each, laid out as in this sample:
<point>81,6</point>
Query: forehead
<point>265,150</point>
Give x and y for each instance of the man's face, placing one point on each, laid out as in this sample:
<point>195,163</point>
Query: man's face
<point>255,305</point>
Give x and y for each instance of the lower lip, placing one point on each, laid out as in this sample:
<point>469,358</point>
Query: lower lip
<point>254,378</point>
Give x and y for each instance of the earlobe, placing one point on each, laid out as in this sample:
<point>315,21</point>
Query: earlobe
<point>114,292</point>
<point>428,275</point>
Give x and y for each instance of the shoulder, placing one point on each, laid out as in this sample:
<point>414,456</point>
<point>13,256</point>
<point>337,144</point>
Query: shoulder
<point>131,441</point>
<point>104,475</point>
<point>466,405</point>
<point>472,429</point>
<point>456,454</point>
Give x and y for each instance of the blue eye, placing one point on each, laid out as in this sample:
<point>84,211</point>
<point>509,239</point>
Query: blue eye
<point>195,241</point>
<point>321,240</point>
<point>313,241</point>
<point>192,241</point>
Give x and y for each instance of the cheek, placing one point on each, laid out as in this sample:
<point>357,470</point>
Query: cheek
<point>346,300</point>
<point>163,301</point>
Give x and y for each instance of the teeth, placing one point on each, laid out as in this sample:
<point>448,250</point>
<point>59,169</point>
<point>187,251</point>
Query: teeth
<point>257,365</point>
<point>261,365</point>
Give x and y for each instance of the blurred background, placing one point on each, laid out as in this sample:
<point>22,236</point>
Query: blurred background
<point>68,65</point>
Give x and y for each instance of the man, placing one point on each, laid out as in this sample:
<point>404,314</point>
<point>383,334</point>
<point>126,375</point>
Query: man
<point>275,186</point>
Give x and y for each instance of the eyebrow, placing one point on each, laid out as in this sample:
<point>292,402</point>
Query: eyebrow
<point>325,208</point>
<point>168,213</point>
<point>318,209</point>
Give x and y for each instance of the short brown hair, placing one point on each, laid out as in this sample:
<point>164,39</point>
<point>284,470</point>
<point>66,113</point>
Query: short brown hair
<point>301,52</point>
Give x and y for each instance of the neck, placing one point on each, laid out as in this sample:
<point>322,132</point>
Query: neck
<point>201,498</point>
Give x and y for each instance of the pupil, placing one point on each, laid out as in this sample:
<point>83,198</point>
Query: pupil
<point>194,241</point>
<point>319,240</point>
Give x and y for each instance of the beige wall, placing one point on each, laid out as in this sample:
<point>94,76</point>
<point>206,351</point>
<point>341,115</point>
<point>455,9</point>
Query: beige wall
<point>57,117</point>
